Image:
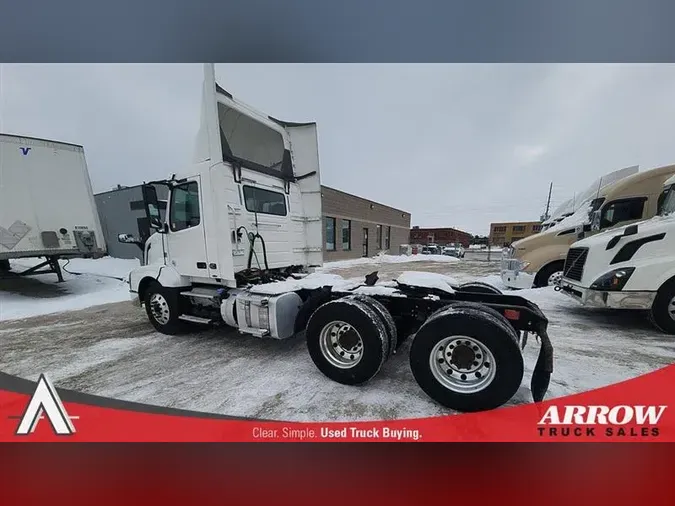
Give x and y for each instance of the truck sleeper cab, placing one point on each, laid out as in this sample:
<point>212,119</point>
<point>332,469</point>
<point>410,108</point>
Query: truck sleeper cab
<point>537,261</point>
<point>632,267</point>
<point>242,234</point>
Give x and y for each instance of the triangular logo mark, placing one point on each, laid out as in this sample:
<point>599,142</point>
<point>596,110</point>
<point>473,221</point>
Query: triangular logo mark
<point>45,400</point>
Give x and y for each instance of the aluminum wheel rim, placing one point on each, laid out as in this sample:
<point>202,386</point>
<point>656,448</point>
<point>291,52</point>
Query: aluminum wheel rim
<point>555,278</point>
<point>341,344</point>
<point>159,308</point>
<point>454,367</point>
<point>671,308</point>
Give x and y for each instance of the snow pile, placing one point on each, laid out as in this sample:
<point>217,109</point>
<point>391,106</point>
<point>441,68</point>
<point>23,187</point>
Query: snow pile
<point>428,280</point>
<point>42,294</point>
<point>389,259</point>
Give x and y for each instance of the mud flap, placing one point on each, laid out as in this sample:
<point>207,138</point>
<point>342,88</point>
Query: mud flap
<point>541,376</point>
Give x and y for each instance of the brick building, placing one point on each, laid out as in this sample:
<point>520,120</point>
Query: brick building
<point>439,236</point>
<point>356,227</point>
<point>503,234</point>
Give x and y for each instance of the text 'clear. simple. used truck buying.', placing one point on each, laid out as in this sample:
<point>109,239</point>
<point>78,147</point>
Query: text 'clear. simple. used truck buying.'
<point>631,267</point>
<point>243,232</point>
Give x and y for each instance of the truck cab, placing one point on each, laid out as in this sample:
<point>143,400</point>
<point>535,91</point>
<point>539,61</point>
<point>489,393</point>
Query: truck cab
<point>243,231</point>
<point>629,267</point>
<point>537,261</point>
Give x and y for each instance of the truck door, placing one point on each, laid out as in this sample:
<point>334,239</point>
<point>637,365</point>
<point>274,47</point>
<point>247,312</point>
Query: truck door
<point>186,243</point>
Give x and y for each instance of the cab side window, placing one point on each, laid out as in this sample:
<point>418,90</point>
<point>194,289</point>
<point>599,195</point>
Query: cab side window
<point>184,212</point>
<point>622,210</point>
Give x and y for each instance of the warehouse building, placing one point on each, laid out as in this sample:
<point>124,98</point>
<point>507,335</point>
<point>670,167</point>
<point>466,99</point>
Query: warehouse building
<point>439,236</point>
<point>503,234</point>
<point>356,227</point>
<point>352,226</point>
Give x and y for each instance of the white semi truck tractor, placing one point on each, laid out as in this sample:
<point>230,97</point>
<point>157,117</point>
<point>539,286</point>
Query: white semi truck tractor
<point>242,235</point>
<point>631,267</point>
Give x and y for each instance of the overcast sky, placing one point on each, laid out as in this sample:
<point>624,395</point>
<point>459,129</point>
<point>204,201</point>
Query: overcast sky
<point>454,145</point>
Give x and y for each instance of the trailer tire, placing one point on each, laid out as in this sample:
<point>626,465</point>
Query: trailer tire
<point>490,369</point>
<point>347,341</point>
<point>162,307</point>
<point>479,287</point>
<point>660,313</point>
<point>383,312</point>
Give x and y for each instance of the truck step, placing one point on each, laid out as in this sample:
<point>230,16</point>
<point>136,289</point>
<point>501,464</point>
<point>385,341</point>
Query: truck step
<point>202,294</point>
<point>194,319</point>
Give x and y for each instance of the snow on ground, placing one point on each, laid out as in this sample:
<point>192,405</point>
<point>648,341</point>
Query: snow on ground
<point>23,297</point>
<point>112,350</point>
<point>387,259</point>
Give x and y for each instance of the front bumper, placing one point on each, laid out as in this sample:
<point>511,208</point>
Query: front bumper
<point>517,279</point>
<point>604,299</point>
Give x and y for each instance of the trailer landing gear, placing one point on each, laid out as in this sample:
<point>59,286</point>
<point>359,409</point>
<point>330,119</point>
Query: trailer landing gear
<point>50,265</point>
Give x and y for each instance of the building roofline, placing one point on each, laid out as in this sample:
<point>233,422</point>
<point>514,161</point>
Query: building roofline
<point>365,199</point>
<point>436,229</point>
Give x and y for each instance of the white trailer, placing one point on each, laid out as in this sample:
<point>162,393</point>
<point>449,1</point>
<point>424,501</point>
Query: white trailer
<point>243,231</point>
<point>47,206</point>
<point>631,267</point>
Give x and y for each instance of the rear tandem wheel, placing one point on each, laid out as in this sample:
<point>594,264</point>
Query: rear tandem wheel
<point>466,357</point>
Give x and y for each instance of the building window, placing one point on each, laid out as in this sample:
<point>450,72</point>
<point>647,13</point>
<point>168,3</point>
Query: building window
<point>378,236</point>
<point>536,228</point>
<point>346,235</point>
<point>387,238</point>
<point>185,207</point>
<point>499,229</point>
<point>259,200</point>
<point>330,234</point>
<point>519,228</point>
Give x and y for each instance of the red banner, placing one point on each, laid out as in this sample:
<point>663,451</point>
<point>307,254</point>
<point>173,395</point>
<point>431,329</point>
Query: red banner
<point>635,410</point>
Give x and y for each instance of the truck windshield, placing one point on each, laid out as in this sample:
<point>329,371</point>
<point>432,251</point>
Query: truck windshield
<point>668,205</point>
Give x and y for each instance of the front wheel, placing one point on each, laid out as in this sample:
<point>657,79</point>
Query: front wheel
<point>466,359</point>
<point>662,313</point>
<point>550,275</point>
<point>162,307</point>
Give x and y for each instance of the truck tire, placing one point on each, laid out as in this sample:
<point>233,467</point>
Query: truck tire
<point>662,313</point>
<point>347,341</point>
<point>4,266</point>
<point>479,287</point>
<point>162,308</point>
<point>386,317</point>
<point>487,371</point>
<point>548,274</point>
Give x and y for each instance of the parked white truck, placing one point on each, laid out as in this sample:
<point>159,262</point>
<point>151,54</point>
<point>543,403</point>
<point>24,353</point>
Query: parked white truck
<point>47,207</point>
<point>243,231</point>
<point>631,267</point>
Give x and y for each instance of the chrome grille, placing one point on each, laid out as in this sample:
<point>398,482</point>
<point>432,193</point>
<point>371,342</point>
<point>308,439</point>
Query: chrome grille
<point>574,264</point>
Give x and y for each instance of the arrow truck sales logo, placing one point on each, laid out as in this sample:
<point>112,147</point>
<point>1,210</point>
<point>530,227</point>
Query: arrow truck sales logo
<point>46,401</point>
<point>608,421</point>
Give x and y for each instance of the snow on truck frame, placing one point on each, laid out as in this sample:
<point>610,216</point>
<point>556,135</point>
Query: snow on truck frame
<point>632,267</point>
<point>47,206</point>
<point>243,231</point>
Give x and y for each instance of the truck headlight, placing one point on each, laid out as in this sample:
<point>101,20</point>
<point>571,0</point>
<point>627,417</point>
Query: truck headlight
<point>614,280</point>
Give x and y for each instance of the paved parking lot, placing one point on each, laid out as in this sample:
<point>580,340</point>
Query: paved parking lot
<point>112,350</point>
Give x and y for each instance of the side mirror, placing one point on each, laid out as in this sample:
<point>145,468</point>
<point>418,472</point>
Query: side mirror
<point>595,224</point>
<point>152,207</point>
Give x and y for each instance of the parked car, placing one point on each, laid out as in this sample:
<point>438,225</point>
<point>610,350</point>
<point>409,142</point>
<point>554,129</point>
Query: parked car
<point>454,250</point>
